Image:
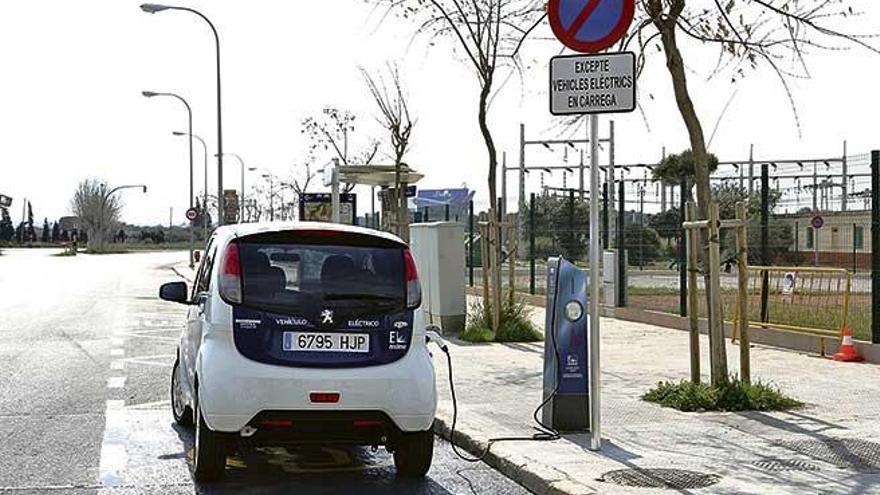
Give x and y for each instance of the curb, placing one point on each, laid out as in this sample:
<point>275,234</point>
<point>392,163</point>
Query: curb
<point>537,478</point>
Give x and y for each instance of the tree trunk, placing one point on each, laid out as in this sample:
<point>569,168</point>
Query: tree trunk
<point>675,65</point>
<point>493,238</point>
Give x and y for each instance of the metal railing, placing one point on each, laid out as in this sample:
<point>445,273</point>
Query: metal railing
<point>807,300</point>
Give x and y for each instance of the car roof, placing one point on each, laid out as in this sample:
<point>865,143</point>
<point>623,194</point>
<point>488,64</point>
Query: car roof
<point>228,232</point>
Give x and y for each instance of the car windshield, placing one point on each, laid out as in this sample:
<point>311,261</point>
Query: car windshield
<point>296,278</point>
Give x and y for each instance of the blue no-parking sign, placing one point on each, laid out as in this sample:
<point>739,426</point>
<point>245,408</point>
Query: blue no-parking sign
<point>590,26</point>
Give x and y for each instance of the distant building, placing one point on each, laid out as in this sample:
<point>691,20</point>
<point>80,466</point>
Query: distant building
<point>431,204</point>
<point>844,239</point>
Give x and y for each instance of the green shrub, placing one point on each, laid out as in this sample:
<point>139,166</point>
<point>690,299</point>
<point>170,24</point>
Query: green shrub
<point>515,324</point>
<point>735,395</point>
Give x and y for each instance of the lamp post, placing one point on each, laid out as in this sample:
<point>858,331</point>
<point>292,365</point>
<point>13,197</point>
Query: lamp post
<point>205,194</point>
<point>152,94</point>
<point>104,200</point>
<point>253,201</point>
<point>152,8</point>
<point>241,198</point>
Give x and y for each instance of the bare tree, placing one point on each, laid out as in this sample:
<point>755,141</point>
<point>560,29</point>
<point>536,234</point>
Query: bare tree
<point>98,212</point>
<point>490,34</point>
<point>299,185</point>
<point>395,118</point>
<point>749,34</point>
<point>332,132</point>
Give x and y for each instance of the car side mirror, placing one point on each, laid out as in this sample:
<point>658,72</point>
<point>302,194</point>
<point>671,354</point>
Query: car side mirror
<point>197,256</point>
<point>174,292</point>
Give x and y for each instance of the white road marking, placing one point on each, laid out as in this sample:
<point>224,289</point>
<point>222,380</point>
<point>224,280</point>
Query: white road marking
<point>116,382</point>
<point>117,352</point>
<point>117,364</point>
<point>114,458</point>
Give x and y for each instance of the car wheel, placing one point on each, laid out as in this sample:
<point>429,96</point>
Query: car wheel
<point>413,454</point>
<point>209,453</point>
<point>182,413</point>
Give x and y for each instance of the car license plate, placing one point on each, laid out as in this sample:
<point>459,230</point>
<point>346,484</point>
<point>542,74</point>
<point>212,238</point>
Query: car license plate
<point>326,342</point>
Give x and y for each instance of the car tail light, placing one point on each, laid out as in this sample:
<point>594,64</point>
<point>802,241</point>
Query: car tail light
<point>366,424</point>
<point>230,274</point>
<point>324,397</point>
<point>413,287</point>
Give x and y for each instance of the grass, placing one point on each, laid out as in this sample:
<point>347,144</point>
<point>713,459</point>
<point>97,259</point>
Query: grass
<point>817,311</point>
<point>515,325</point>
<point>735,395</point>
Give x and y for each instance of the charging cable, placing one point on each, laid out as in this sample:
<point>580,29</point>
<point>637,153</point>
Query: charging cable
<point>544,433</point>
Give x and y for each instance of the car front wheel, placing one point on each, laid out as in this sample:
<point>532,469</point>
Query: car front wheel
<point>182,413</point>
<point>413,454</point>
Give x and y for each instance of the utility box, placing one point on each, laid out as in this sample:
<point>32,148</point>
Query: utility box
<point>612,280</point>
<point>438,249</point>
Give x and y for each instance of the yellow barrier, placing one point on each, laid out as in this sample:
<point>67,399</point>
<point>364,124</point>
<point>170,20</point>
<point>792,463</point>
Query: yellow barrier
<point>807,300</point>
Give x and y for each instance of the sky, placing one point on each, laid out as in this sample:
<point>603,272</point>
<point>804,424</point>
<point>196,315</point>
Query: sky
<point>73,72</point>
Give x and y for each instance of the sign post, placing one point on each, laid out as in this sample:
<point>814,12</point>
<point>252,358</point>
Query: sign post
<point>817,222</point>
<point>592,84</point>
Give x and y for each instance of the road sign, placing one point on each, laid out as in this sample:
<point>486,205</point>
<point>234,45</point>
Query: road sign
<point>590,26</point>
<point>817,222</point>
<point>230,206</point>
<point>192,214</point>
<point>5,201</point>
<point>410,192</point>
<point>603,83</point>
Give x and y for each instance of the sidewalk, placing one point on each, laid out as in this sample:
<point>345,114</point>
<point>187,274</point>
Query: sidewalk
<point>830,446</point>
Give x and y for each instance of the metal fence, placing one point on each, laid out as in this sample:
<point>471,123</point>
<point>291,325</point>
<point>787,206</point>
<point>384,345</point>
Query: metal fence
<point>802,213</point>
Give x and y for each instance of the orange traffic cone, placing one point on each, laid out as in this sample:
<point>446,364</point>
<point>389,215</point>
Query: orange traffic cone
<point>848,351</point>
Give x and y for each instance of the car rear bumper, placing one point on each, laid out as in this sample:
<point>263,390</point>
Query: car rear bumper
<point>320,428</point>
<point>234,390</point>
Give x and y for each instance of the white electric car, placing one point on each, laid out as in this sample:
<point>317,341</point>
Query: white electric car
<point>304,333</point>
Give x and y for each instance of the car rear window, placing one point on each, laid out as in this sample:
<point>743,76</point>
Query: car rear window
<point>336,272</point>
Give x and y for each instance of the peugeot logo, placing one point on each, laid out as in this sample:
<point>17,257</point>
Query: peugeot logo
<point>327,317</point>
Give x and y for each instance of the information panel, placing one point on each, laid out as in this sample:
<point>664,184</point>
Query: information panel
<point>318,207</point>
<point>601,83</point>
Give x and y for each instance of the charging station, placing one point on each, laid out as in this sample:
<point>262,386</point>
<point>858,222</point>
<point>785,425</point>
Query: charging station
<point>566,351</point>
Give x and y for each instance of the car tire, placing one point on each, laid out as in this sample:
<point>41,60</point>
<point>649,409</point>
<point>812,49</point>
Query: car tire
<point>209,451</point>
<point>183,414</point>
<point>413,454</point>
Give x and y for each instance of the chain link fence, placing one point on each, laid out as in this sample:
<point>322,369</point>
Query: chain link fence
<point>807,213</point>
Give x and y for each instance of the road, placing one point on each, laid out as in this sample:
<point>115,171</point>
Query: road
<point>85,353</point>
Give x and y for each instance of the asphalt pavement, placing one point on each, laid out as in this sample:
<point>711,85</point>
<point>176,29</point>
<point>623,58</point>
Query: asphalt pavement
<point>86,350</point>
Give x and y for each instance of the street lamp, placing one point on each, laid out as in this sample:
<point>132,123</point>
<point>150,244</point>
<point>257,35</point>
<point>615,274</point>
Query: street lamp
<point>205,195</point>
<point>153,94</point>
<point>104,200</point>
<point>241,199</point>
<point>152,8</point>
